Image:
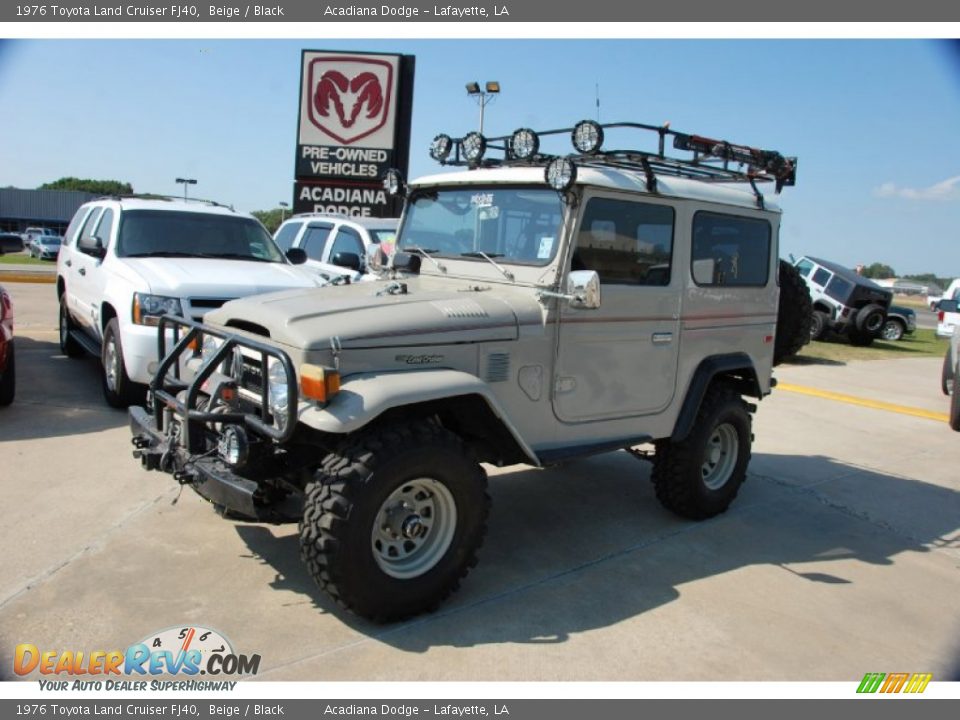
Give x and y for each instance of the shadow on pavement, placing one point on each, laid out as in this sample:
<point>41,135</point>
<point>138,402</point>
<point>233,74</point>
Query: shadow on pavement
<point>585,546</point>
<point>56,396</point>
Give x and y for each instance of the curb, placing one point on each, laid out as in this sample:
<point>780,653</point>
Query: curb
<point>27,277</point>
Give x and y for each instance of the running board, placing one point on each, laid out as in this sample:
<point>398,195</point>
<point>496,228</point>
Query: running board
<point>87,342</point>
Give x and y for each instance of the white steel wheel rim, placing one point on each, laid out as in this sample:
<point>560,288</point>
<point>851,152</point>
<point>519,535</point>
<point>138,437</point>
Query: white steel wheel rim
<point>111,365</point>
<point>414,528</point>
<point>720,456</point>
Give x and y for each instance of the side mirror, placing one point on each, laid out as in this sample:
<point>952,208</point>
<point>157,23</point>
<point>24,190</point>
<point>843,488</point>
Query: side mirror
<point>407,262</point>
<point>376,258</point>
<point>347,260</point>
<point>298,256</point>
<point>584,288</point>
<point>97,249</point>
<point>949,306</point>
<point>703,271</point>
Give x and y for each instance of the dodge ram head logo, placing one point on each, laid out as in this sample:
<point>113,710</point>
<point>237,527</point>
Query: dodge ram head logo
<point>349,97</point>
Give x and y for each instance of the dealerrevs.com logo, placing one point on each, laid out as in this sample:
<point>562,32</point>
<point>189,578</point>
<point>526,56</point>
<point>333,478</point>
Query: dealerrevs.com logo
<point>189,651</point>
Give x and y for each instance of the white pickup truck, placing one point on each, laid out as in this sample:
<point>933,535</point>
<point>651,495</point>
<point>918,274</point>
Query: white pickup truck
<point>127,261</point>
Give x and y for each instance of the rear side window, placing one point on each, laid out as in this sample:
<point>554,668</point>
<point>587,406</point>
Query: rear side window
<point>821,277</point>
<point>347,240</point>
<point>738,248</point>
<point>287,234</point>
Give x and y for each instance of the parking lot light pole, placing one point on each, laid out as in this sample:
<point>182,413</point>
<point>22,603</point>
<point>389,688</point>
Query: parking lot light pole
<point>483,97</point>
<point>185,182</point>
<point>283,211</point>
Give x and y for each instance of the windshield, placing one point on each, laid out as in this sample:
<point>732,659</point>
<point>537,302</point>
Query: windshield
<point>146,233</point>
<point>514,225</point>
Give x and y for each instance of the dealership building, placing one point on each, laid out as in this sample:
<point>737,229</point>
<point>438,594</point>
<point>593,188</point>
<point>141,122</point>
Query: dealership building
<point>20,209</point>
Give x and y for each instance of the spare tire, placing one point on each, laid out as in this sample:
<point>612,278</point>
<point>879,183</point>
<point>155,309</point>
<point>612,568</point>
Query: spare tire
<point>794,314</point>
<point>870,318</point>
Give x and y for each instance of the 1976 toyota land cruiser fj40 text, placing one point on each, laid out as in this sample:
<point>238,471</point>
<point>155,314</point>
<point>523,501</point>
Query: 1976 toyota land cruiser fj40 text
<point>540,307</point>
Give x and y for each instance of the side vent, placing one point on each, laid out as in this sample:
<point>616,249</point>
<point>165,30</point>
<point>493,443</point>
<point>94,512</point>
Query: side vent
<point>498,367</point>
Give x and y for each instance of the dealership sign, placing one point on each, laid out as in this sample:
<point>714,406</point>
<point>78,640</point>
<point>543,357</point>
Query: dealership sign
<point>354,125</point>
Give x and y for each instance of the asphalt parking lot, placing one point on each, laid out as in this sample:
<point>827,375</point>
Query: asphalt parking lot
<point>841,555</point>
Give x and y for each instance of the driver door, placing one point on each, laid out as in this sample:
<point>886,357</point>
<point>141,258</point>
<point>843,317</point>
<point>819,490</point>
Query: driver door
<point>620,360</point>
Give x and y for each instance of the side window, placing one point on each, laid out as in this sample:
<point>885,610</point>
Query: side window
<point>314,240</point>
<point>105,227</point>
<point>821,277</point>
<point>627,243</point>
<point>737,248</point>
<point>287,234</point>
<point>73,229</point>
<point>804,267</point>
<point>347,240</point>
<point>86,235</point>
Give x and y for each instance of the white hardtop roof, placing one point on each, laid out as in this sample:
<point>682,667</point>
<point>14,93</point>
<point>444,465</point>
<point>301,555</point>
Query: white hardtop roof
<point>367,222</point>
<point>609,178</point>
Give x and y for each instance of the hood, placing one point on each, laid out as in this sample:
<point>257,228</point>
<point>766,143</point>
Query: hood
<point>216,277</point>
<point>435,312</point>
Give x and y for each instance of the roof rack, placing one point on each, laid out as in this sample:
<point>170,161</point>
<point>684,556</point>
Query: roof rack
<point>156,196</point>
<point>706,159</point>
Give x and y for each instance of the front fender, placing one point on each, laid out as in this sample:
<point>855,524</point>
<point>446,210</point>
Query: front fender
<point>364,397</point>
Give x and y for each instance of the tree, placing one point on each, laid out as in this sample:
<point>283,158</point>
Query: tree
<point>878,270</point>
<point>100,187</point>
<point>271,219</point>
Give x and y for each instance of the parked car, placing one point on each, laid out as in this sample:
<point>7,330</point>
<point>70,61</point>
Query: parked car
<point>10,243</point>
<point>8,380</point>
<point>900,321</point>
<point>947,316</point>
<point>32,234</point>
<point>336,245</point>
<point>46,247</point>
<point>128,261</point>
<point>951,372</point>
<point>843,301</point>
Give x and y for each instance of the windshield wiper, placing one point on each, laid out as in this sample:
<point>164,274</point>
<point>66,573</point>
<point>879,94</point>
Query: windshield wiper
<point>426,253</point>
<point>490,259</point>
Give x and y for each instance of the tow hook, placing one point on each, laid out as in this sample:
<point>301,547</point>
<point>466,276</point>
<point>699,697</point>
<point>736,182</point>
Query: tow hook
<point>183,477</point>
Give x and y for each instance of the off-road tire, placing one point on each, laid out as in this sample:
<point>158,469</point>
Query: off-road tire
<point>870,319</point>
<point>794,314</point>
<point>947,381</point>
<point>955,407</point>
<point>818,324</point>
<point>351,491</point>
<point>893,330</point>
<point>679,468</point>
<point>120,391</point>
<point>8,382</point>
<point>68,345</point>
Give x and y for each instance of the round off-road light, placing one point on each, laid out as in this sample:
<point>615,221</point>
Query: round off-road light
<point>233,447</point>
<point>440,147</point>
<point>561,173</point>
<point>587,137</point>
<point>524,144</point>
<point>393,182</point>
<point>474,146</point>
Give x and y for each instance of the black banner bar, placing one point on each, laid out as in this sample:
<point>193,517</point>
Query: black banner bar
<point>480,11</point>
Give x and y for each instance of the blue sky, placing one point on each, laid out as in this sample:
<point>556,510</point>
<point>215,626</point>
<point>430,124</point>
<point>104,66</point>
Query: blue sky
<point>874,123</point>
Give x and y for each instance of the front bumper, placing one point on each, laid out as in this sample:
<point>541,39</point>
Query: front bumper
<point>211,478</point>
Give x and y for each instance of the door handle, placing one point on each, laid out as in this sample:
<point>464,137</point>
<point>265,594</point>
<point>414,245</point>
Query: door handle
<point>83,271</point>
<point>69,263</point>
<point>662,338</point>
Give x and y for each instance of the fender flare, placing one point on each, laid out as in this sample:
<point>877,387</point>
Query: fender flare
<point>736,364</point>
<point>366,396</point>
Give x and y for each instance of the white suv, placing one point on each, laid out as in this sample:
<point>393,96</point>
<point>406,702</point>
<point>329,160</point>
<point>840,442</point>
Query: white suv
<point>127,261</point>
<point>336,245</point>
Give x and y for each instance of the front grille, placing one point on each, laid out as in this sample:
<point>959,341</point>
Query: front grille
<point>251,374</point>
<point>198,307</point>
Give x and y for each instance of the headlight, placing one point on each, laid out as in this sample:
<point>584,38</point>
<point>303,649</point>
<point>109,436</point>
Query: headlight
<point>277,392</point>
<point>147,309</point>
<point>211,344</point>
<point>560,173</point>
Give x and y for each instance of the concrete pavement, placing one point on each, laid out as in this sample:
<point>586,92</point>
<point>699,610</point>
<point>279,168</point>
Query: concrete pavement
<point>840,556</point>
